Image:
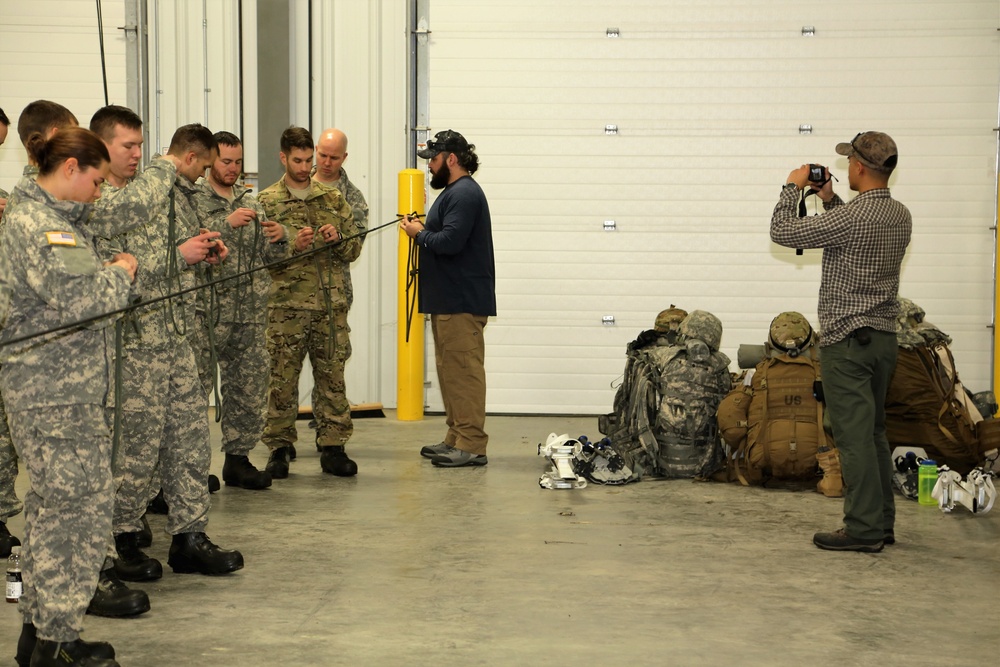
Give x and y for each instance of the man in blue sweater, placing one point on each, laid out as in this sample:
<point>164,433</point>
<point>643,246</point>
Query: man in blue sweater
<point>457,287</point>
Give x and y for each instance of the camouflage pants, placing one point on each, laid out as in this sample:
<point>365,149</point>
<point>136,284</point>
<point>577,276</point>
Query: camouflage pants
<point>244,370</point>
<point>291,334</point>
<point>9,503</point>
<point>164,422</point>
<point>66,451</point>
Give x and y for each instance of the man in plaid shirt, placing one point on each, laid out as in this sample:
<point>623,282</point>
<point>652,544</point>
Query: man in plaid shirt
<point>863,245</point>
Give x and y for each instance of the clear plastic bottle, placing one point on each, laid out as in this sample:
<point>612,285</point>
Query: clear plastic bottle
<point>14,585</point>
<point>927,476</point>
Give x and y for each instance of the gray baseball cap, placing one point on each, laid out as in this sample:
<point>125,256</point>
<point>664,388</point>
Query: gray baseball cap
<point>875,150</point>
<point>445,141</point>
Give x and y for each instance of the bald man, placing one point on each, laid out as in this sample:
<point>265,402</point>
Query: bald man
<point>331,154</point>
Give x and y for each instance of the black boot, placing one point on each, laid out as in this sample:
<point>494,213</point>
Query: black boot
<point>334,461</point>
<point>158,505</point>
<point>292,454</point>
<point>194,552</point>
<point>115,599</point>
<point>145,538</point>
<point>7,541</point>
<point>277,463</point>
<point>26,646</point>
<point>76,653</point>
<point>213,484</point>
<point>132,563</point>
<point>238,471</point>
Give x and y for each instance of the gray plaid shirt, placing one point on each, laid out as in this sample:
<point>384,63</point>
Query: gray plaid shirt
<point>863,245</point>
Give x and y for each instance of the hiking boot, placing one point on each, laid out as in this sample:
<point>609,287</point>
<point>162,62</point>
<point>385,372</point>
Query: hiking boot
<point>114,599</point>
<point>841,541</point>
<point>194,552</point>
<point>157,505</point>
<point>238,471</point>
<point>7,541</point>
<point>76,653</point>
<point>132,563</point>
<point>277,463</point>
<point>26,646</point>
<point>430,451</point>
<point>145,536</point>
<point>889,536</point>
<point>452,457</point>
<point>334,460</point>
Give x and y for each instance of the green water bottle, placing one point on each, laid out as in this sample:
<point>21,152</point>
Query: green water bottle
<point>927,476</point>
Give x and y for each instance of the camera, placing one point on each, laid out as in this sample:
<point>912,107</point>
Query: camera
<point>817,173</point>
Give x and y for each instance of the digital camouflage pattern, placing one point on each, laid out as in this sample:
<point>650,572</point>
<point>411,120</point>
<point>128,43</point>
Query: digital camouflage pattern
<point>244,299</point>
<point>58,279</point>
<point>55,387</point>
<point>10,505</point>
<point>315,282</point>
<point>163,406</point>
<point>703,326</point>
<point>359,208</point>
<point>238,316</point>
<point>66,451</point>
<point>664,411</point>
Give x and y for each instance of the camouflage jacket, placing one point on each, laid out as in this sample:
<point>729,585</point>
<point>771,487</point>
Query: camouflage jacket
<point>316,281</point>
<point>27,176</point>
<point>57,279</point>
<point>136,219</point>
<point>242,299</point>
<point>359,207</point>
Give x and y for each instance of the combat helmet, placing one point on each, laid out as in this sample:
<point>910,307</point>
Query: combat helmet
<point>790,332</point>
<point>670,319</point>
<point>704,326</point>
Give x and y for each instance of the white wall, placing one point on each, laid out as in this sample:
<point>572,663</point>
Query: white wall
<point>708,96</point>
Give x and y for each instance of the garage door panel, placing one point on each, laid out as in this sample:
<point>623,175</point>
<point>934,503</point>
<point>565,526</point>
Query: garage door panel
<point>707,100</point>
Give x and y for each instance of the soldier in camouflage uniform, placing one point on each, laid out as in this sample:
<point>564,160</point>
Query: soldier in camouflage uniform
<point>164,407</point>
<point>45,118</point>
<point>56,386</point>
<point>331,154</point>
<point>307,310</point>
<point>238,313</point>
<point>4,128</point>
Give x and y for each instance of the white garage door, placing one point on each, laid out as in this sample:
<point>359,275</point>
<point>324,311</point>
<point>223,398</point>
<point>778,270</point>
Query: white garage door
<point>633,152</point>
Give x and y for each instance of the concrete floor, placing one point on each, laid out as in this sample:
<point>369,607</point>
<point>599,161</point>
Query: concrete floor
<point>408,564</point>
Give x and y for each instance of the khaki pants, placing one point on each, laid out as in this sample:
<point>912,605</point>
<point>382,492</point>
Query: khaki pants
<point>459,351</point>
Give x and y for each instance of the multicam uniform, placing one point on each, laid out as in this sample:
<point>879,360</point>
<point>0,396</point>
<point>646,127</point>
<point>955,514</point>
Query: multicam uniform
<point>239,316</point>
<point>307,312</point>
<point>359,207</point>
<point>56,387</point>
<point>10,505</point>
<point>163,405</point>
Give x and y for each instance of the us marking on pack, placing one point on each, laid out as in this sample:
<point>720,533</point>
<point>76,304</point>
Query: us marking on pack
<point>60,238</point>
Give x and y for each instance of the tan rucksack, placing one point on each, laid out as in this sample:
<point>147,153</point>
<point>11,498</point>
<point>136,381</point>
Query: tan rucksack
<point>775,425</point>
<point>927,406</point>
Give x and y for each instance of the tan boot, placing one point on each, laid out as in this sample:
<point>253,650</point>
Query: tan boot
<point>832,484</point>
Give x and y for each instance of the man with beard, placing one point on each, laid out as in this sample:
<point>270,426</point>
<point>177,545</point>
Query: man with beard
<point>457,287</point>
<point>307,310</point>
<point>238,315</point>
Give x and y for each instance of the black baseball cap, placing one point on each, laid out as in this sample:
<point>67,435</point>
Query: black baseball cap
<point>448,141</point>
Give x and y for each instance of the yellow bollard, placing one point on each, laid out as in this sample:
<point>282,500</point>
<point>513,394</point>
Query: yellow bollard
<point>410,354</point>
